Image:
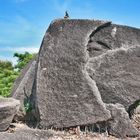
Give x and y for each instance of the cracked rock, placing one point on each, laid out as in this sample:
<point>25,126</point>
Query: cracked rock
<point>81,66</point>
<point>66,95</point>
<point>8,108</point>
<point>117,75</point>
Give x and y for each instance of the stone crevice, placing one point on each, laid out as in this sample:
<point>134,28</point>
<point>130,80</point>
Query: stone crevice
<point>106,24</point>
<point>104,44</point>
<point>97,46</point>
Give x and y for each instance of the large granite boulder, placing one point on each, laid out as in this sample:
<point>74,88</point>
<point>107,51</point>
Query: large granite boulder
<point>82,66</point>
<point>8,108</point>
<point>80,60</point>
<point>66,95</point>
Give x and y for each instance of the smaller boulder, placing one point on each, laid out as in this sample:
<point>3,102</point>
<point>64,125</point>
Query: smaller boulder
<point>22,88</point>
<point>8,109</point>
<point>120,124</point>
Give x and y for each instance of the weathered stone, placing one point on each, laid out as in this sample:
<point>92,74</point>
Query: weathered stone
<point>23,86</point>
<point>120,124</point>
<point>26,134</point>
<point>8,108</point>
<point>114,63</point>
<point>117,75</point>
<point>82,65</point>
<point>66,95</point>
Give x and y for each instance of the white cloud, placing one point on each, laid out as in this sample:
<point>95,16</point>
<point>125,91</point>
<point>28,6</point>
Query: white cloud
<point>29,49</point>
<point>12,50</point>
<point>11,59</point>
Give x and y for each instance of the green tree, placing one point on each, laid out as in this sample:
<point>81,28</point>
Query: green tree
<point>7,77</point>
<point>6,65</point>
<point>23,59</point>
<point>8,73</point>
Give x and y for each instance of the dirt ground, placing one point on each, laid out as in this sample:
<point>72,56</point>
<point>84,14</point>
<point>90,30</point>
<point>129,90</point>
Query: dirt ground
<point>85,136</point>
<point>70,135</point>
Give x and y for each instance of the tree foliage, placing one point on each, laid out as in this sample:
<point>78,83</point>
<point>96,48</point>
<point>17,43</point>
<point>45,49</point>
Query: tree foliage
<point>23,59</point>
<point>8,73</point>
<point>7,77</point>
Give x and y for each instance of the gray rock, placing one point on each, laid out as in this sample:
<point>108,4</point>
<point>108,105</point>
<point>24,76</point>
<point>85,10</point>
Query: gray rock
<point>26,134</point>
<point>83,64</point>
<point>8,108</point>
<point>23,86</point>
<point>117,75</point>
<point>115,67</point>
<point>66,95</point>
<point>120,125</point>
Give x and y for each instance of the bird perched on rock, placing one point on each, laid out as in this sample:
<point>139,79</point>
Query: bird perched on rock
<point>66,15</point>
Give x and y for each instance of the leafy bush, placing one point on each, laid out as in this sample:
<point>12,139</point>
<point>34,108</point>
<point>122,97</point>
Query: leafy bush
<point>7,77</point>
<point>8,73</point>
<point>23,59</point>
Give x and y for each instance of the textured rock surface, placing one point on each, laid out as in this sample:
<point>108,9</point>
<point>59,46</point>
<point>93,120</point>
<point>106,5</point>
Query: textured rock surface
<point>8,108</point>
<point>66,95</point>
<point>83,64</point>
<point>26,134</point>
<point>120,124</point>
<point>114,63</point>
<point>23,87</point>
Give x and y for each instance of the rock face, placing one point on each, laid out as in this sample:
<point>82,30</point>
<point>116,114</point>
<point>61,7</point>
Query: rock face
<point>116,68</point>
<point>23,86</point>
<point>8,108</point>
<point>82,66</point>
<point>66,95</point>
<point>114,63</point>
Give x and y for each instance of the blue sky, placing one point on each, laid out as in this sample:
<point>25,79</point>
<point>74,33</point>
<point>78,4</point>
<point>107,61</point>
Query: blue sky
<point>24,22</point>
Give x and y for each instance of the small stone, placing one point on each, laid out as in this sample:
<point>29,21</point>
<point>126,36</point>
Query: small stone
<point>120,124</point>
<point>8,109</point>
